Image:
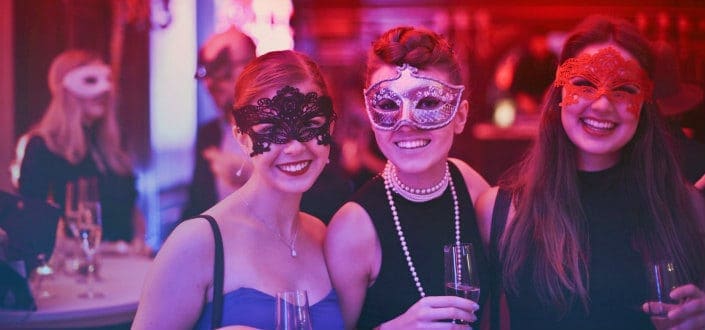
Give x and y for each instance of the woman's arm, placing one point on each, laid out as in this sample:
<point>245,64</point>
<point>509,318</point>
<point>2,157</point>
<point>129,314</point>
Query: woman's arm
<point>179,280</point>
<point>352,251</point>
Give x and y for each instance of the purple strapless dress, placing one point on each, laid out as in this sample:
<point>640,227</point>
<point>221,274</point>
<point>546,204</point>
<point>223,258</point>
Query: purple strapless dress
<point>254,308</point>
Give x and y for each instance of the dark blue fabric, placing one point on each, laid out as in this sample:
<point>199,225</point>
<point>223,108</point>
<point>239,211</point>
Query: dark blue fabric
<point>45,173</point>
<point>254,308</point>
<point>617,280</point>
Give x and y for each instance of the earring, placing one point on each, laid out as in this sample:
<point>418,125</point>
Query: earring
<point>239,171</point>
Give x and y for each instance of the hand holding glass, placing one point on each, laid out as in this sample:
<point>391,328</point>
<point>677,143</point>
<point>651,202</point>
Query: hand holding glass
<point>663,277</point>
<point>292,311</point>
<point>461,277</point>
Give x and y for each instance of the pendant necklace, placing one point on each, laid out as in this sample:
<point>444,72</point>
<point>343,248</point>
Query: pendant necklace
<point>389,175</point>
<point>290,244</point>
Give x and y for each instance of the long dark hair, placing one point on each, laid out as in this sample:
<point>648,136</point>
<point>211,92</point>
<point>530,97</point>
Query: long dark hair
<point>550,224</point>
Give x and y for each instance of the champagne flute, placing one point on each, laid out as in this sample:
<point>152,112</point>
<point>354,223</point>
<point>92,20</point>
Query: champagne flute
<point>90,230</point>
<point>663,277</point>
<point>69,237</point>
<point>293,311</point>
<point>461,277</point>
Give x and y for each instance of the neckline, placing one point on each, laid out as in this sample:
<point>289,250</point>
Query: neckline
<point>245,289</point>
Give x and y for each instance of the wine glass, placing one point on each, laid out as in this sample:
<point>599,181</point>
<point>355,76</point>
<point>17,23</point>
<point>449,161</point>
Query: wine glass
<point>68,238</point>
<point>90,230</point>
<point>663,277</point>
<point>292,311</point>
<point>461,277</point>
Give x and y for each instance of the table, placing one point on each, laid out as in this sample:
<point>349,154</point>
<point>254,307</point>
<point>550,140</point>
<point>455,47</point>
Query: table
<point>121,278</point>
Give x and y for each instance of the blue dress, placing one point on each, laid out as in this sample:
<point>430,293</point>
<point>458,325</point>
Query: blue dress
<point>254,308</point>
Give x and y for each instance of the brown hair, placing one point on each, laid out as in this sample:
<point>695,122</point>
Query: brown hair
<point>273,71</point>
<point>550,222</point>
<point>420,48</point>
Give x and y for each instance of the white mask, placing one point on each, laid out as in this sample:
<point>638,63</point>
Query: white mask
<point>88,81</point>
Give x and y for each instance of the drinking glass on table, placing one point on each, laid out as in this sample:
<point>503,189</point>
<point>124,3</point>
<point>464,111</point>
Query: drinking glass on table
<point>293,311</point>
<point>90,232</point>
<point>461,278</point>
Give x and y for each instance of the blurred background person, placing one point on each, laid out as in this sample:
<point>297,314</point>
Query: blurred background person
<point>676,98</point>
<point>533,74</point>
<point>221,165</point>
<point>78,137</point>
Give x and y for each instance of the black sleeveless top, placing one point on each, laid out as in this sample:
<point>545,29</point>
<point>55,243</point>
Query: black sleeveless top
<point>617,281</point>
<point>427,228</point>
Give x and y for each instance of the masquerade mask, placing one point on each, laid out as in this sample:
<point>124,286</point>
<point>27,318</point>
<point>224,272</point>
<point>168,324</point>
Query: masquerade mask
<point>607,73</point>
<point>88,81</point>
<point>287,116</point>
<point>411,99</point>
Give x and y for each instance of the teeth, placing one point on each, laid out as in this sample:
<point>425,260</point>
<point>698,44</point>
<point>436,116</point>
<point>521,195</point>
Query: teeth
<point>294,167</point>
<point>412,144</point>
<point>599,124</point>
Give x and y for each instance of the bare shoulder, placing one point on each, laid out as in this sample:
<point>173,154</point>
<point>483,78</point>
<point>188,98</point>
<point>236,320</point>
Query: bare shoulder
<point>350,218</point>
<point>351,236</point>
<point>475,182</point>
<point>190,244</point>
<point>313,225</point>
<point>484,209</point>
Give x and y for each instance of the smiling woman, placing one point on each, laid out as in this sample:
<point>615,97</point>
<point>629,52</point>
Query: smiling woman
<point>258,238</point>
<point>398,223</point>
<point>598,198</point>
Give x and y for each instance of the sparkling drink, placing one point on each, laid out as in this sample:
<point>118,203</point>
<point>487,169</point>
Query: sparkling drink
<point>463,291</point>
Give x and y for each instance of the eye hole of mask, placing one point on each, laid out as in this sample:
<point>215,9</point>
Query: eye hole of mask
<point>429,103</point>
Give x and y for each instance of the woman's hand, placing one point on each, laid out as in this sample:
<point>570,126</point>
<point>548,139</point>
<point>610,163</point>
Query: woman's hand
<point>434,313</point>
<point>688,315</point>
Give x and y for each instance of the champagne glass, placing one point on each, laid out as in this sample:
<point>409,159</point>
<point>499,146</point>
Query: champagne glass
<point>461,277</point>
<point>292,311</point>
<point>90,230</point>
<point>68,239</point>
<point>663,277</point>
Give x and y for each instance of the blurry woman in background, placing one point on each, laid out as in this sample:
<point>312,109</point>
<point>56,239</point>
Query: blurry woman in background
<point>283,120</point>
<point>599,197</point>
<point>79,137</point>
<point>384,249</point>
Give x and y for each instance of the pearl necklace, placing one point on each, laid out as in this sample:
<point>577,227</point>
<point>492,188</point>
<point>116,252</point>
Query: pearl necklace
<point>387,175</point>
<point>422,194</point>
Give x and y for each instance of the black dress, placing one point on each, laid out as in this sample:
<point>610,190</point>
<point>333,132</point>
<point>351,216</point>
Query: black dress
<point>427,228</point>
<point>617,281</point>
<point>45,173</point>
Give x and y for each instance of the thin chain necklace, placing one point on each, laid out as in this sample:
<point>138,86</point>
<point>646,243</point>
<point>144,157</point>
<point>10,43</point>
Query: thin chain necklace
<point>290,244</point>
<point>387,175</point>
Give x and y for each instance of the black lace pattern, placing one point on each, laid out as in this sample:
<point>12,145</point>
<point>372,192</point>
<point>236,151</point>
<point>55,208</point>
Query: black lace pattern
<point>289,115</point>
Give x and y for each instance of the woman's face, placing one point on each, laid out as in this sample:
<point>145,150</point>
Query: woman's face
<point>414,115</point>
<point>285,140</point>
<point>90,85</point>
<point>603,91</point>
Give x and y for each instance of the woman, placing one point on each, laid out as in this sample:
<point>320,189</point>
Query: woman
<point>283,119</point>
<point>598,197</point>
<point>395,226</point>
<point>78,137</point>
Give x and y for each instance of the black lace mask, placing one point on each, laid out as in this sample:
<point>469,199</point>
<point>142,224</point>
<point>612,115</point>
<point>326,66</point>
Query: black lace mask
<point>287,116</point>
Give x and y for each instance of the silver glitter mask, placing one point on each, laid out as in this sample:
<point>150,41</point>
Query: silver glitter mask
<point>411,99</point>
